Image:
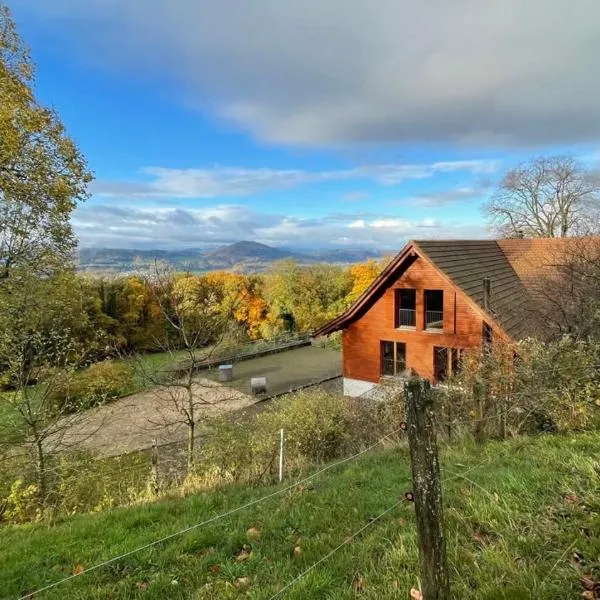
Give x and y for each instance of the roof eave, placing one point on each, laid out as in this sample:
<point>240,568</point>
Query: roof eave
<point>341,321</point>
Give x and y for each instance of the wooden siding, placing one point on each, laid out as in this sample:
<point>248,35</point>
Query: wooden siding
<point>361,340</point>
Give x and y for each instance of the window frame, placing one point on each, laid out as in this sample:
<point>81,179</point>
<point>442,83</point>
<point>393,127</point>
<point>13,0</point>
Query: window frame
<point>426,326</point>
<point>398,360</point>
<point>398,307</point>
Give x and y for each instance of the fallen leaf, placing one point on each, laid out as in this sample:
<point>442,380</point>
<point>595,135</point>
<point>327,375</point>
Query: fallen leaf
<point>244,554</point>
<point>297,551</point>
<point>588,582</point>
<point>142,585</point>
<point>78,570</point>
<point>395,584</point>
<point>358,584</point>
<point>215,568</point>
<point>253,533</point>
<point>242,583</point>
<point>588,595</point>
<point>416,594</point>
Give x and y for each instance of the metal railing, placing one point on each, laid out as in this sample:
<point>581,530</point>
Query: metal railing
<point>434,319</point>
<point>407,317</point>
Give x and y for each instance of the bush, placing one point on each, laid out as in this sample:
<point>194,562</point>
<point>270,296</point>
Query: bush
<point>99,383</point>
<point>318,427</point>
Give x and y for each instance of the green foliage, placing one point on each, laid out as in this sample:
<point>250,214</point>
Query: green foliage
<point>22,505</point>
<point>529,387</point>
<point>42,173</point>
<point>318,427</point>
<point>520,521</point>
<point>93,386</point>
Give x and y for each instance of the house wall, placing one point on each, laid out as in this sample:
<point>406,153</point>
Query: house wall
<point>361,340</point>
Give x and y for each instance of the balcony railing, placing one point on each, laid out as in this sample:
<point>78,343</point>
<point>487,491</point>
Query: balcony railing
<point>407,317</point>
<point>434,319</point>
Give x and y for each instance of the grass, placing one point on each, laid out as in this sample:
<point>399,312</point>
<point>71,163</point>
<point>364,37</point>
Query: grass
<point>522,521</point>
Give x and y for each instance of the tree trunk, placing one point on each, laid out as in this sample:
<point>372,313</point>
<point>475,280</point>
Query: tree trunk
<point>40,464</point>
<point>427,490</point>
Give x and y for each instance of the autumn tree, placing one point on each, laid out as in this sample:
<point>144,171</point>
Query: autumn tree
<point>303,298</point>
<point>545,197</point>
<point>363,275</point>
<point>42,173</point>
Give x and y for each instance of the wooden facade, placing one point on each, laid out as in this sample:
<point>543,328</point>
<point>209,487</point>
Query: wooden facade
<point>462,326</point>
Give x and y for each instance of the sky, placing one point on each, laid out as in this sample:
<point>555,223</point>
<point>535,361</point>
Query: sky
<point>309,123</point>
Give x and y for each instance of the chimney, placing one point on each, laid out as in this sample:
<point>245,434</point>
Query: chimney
<point>487,291</point>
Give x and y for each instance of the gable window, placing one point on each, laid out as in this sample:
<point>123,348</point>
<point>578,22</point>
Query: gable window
<point>406,308</point>
<point>434,309</point>
<point>393,358</point>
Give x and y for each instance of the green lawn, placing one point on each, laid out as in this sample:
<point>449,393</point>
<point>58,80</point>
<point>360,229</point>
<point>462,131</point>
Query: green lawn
<point>522,522</point>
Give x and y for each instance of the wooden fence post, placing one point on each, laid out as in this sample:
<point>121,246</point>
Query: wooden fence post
<point>154,477</point>
<point>427,489</point>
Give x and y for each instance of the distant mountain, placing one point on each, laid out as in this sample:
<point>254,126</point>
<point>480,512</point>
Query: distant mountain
<point>246,251</point>
<point>245,256</point>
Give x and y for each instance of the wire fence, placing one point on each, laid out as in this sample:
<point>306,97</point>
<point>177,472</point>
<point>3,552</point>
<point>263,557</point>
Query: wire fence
<point>213,519</point>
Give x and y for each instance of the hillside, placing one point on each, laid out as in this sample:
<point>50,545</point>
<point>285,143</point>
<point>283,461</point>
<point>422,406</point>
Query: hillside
<point>244,256</point>
<point>521,522</point>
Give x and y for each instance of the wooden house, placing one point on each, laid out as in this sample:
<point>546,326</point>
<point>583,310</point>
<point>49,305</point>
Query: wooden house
<point>436,299</point>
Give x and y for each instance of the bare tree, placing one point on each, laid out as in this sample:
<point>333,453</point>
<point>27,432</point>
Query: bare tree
<point>566,293</point>
<point>196,327</point>
<point>545,197</point>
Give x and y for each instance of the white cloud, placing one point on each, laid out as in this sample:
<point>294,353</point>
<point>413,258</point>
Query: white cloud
<point>236,181</point>
<point>117,227</point>
<point>340,71</point>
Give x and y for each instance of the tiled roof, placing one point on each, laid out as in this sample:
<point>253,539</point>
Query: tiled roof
<point>516,268</point>
<point>468,262</point>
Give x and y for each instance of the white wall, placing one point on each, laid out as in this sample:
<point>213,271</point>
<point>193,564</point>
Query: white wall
<point>357,387</point>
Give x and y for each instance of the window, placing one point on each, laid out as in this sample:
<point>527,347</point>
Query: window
<point>406,308</point>
<point>434,309</point>
<point>446,362</point>
<point>440,363</point>
<point>393,358</point>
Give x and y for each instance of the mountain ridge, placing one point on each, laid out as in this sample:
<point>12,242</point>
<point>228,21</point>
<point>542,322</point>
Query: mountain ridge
<point>245,256</point>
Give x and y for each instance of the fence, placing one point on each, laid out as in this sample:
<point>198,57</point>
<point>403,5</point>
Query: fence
<point>422,426</point>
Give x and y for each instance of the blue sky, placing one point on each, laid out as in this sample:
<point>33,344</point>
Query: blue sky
<point>309,124</point>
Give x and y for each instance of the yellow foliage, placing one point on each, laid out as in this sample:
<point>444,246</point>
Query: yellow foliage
<point>363,275</point>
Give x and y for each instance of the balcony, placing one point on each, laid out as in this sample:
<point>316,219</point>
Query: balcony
<point>434,319</point>
<point>407,317</point>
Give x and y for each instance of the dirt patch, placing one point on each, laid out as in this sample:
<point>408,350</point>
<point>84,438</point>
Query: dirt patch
<point>131,423</point>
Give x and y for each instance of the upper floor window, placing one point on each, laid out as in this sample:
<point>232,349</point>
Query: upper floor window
<point>406,308</point>
<point>393,358</point>
<point>434,309</point>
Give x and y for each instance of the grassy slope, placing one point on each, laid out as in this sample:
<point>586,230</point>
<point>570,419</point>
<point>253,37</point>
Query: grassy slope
<point>514,521</point>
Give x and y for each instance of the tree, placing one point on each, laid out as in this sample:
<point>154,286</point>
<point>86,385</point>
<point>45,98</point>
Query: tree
<point>195,327</point>
<point>39,353</point>
<point>545,197</point>
<point>363,275</point>
<point>42,173</point>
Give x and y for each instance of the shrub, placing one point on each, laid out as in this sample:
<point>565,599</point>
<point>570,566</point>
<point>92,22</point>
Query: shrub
<point>99,383</point>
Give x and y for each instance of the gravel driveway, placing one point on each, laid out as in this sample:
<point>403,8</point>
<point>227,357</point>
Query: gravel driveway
<point>131,423</point>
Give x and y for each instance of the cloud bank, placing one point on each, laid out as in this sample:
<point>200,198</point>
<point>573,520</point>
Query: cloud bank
<point>118,227</point>
<point>493,73</point>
